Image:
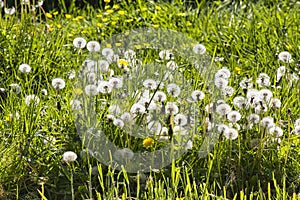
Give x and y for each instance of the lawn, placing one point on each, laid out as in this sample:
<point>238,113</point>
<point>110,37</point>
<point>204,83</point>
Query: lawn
<point>150,100</point>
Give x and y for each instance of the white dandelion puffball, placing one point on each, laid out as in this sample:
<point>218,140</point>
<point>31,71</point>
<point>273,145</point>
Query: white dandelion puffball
<point>104,87</point>
<point>103,65</point>
<point>10,11</point>
<point>93,46</point>
<point>118,123</point>
<point>137,109</point>
<point>296,130</point>
<point>197,95</point>
<point>172,65</point>
<point>280,72</point>
<point>129,54</point>
<point>234,116</point>
<point>107,52</point>
<point>246,83</point>
<point>223,128</point>
<point>267,122</point>
<point>263,80</point>
<point>91,90</point>
<point>75,104</point>
<point>160,96</point>
<point>285,57</point>
<point>180,120</point>
<point>222,73</point>
<point>58,83</point>
<point>231,134</point>
<point>165,54</point>
<point>15,88</point>
<point>32,100</point>
<point>223,109</point>
<point>171,108</point>
<point>79,42</point>
<point>199,49</point>
<point>69,156</point>
<point>276,131</point>
<point>254,118</point>
<point>150,84</point>
<point>24,68</point>
<point>173,89</point>
<point>116,82</point>
<point>221,83</point>
<point>265,95</point>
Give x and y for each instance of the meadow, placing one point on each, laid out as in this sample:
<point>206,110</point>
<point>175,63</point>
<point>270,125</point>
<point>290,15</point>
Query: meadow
<point>218,84</point>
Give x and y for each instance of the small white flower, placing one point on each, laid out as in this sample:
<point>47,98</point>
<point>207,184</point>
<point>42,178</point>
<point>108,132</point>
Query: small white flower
<point>280,72</point>
<point>91,90</point>
<point>231,134</point>
<point>246,83</point>
<point>180,120</point>
<point>160,96</point>
<point>267,122</point>
<point>165,54</point>
<point>69,156</point>
<point>285,57</point>
<point>276,131</point>
<point>32,99</point>
<point>234,116</point>
<point>223,109</point>
<point>93,46</point>
<point>263,80</point>
<point>221,83</point>
<point>58,83</point>
<point>118,122</point>
<point>173,89</point>
<point>199,49</point>
<point>24,68</point>
<point>15,88</point>
<point>150,84</point>
<point>172,65</point>
<point>137,109</point>
<point>107,52</point>
<point>71,74</point>
<point>104,87</point>
<point>79,42</point>
<point>10,11</point>
<point>171,108</point>
<point>197,95</point>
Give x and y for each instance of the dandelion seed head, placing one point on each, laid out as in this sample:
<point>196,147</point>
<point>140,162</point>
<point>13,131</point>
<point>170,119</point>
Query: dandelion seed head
<point>172,65</point>
<point>246,83</point>
<point>263,80</point>
<point>221,83</point>
<point>107,52</point>
<point>118,123</point>
<point>267,122</point>
<point>154,127</point>
<point>197,95</point>
<point>180,120</point>
<point>79,42</point>
<point>15,88</point>
<point>10,11</point>
<point>104,87</point>
<point>91,90</point>
<point>165,54</point>
<point>231,134</point>
<point>265,95</point>
<point>199,49</point>
<point>254,118</point>
<point>24,68</point>
<point>276,131</point>
<point>285,57</point>
<point>150,84</point>
<point>69,156</point>
<point>173,89</point>
<point>223,109</point>
<point>58,83</point>
<point>75,104</point>
<point>223,128</point>
<point>93,46</point>
<point>171,108</point>
<point>234,116</point>
<point>160,96</point>
<point>129,54</point>
<point>32,100</point>
<point>137,109</point>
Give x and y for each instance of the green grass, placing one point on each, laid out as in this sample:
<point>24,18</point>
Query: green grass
<point>248,35</point>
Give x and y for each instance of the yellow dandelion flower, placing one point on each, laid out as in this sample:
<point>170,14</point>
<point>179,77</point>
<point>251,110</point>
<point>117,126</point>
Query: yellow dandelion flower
<point>79,17</point>
<point>188,23</point>
<point>238,70</point>
<point>55,13</point>
<point>113,23</point>
<point>110,11</point>
<point>108,46</point>
<point>100,25</point>
<point>121,12</point>
<point>122,63</point>
<point>58,25</point>
<point>78,91</point>
<point>84,31</point>
<point>148,142</point>
<point>68,16</point>
<point>144,9</point>
<point>106,7</point>
<point>103,34</point>
<point>105,20</point>
<point>181,14</point>
<point>99,15</point>
<point>106,1</point>
<point>138,46</point>
<point>116,6</point>
<point>157,7</point>
<point>49,15</point>
<point>155,26</point>
<point>129,20</point>
<point>70,35</point>
<point>118,44</point>
<point>8,118</point>
<point>147,44</point>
